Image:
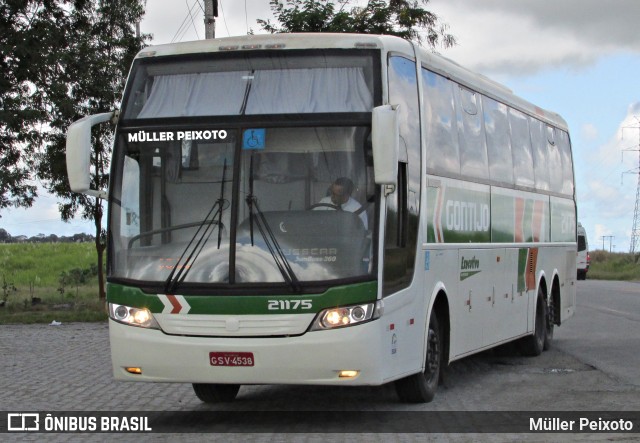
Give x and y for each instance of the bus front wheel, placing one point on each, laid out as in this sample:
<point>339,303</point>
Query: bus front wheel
<point>215,393</point>
<point>421,387</point>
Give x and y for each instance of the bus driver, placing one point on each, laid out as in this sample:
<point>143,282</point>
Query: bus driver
<point>340,198</point>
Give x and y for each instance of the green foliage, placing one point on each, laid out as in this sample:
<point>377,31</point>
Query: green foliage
<point>42,263</point>
<point>32,275</point>
<point>76,277</point>
<point>8,288</point>
<point>613,266</point>
<point>22,27</point>
<point>90,78</point>
<point>61,60</point>
<point>402,18</point>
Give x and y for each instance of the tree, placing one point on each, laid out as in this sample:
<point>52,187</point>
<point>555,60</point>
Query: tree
<point>86,77</point>
<point>29,33</point>
<point>403,18</point>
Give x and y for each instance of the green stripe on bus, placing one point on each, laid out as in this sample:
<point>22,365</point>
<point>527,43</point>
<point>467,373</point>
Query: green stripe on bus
<point>459,212</point>
<point>248,304</point>
<point>523,253</point>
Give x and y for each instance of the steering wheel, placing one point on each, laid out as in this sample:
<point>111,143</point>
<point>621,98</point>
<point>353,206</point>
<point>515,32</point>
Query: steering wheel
<point>324,205</point>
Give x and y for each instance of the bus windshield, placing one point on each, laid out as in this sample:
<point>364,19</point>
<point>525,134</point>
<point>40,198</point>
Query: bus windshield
<point>278,83</point>
<point>205,195</point>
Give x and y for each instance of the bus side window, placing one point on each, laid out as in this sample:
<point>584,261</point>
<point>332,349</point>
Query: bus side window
<point>554,159</point>
<point>443,157</point>
<point>540,154</point>
<point>404,204</point>
<point>564,145</point>
<point>473,149</point>
<point>521,149</point>
<point>496,124</point>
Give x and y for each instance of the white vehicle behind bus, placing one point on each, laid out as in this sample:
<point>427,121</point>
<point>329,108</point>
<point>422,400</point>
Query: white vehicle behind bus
<point>583,259</point>
<point>222,273</point>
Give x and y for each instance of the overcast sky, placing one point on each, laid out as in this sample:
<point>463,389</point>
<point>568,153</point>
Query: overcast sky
<point>580,58</point>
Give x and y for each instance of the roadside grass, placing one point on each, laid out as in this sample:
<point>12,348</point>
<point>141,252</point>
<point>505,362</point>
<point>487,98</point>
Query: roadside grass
<point>613,266</point>
<point>43,282</point>
<point>68,313</point>
<point>41,263</point>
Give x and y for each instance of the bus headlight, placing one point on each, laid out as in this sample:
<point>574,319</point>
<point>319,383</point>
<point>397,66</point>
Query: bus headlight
<point>140,317</point>
<point>346,316</point>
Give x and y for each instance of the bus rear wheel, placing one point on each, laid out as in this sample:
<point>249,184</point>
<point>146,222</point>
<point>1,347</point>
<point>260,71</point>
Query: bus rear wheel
<point>534,344</point>
<point>216,393</point>
<point>421,387</point>
<point>551,318</point>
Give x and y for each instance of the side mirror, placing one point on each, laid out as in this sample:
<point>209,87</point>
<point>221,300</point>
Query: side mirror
<point>385,140</point>
<point>79,153</point>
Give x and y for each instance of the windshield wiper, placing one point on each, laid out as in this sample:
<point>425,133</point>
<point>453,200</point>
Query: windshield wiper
<point>271,241</point>
<point>200,238</point>
<point>269,237</point>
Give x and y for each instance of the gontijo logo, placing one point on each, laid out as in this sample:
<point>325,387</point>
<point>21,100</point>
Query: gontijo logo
<point>467,216</point>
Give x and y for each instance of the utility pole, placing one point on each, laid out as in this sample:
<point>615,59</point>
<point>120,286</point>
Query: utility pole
<point>610,237</point>
<point>138,32</point>
<point>634,247</point>
<point>210,14</point>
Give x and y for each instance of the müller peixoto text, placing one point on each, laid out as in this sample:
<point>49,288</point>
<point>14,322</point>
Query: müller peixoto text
<point>582,424</point>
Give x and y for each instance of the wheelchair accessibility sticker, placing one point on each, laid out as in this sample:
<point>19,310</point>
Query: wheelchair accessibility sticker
<point>254,138</point>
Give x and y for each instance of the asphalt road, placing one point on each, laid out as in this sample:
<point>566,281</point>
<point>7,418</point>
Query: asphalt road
<point>594,365</point>
<point>605,331</point>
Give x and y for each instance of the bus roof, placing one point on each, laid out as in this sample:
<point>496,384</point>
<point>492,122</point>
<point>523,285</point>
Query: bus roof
<point>429,60</point>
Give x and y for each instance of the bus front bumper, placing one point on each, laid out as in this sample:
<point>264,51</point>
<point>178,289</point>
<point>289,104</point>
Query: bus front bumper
<point>313,358</point>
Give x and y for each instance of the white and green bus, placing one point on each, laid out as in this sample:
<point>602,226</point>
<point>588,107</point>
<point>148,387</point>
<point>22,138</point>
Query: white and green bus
<point>330,209</point>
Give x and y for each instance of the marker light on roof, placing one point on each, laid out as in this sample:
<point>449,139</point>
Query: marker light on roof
<point>366,45</point>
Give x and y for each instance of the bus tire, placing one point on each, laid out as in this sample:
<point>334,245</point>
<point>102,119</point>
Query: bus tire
<point>421,387</point>
<point>551,312</point>
<point>215,393</point>
<point>533,345</point>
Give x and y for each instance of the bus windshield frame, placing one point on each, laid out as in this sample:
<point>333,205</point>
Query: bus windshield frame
<point>241,203</point>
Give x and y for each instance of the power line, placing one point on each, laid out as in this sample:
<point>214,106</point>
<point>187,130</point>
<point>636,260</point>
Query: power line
<point>175,37</point>
<point>184,26</point>
<point>191,17</point>
<point>246,17</point>
<point>224,19</point>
